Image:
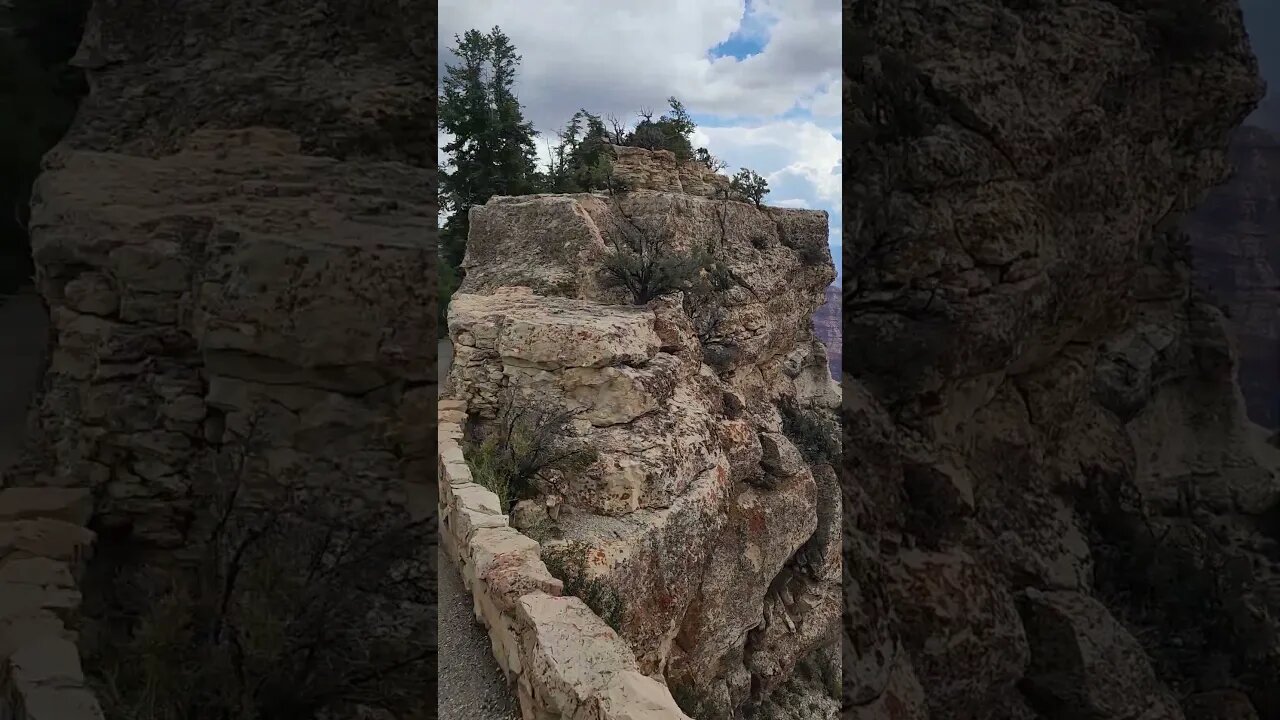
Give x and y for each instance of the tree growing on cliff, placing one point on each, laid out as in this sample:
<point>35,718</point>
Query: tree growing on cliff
<point>711,162</point>
<point>646,265</point>
<point>526,444</point>
<point>492,151</point>
<point>669,132</point>
<point>580,161</point>
<point>751,185</point>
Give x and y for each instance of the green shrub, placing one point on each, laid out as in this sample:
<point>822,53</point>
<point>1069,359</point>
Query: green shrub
<point>570,567</point>
<point>750,185</point>
<point>814,430</point>
<point>524,445</point>
<point>644,264</point>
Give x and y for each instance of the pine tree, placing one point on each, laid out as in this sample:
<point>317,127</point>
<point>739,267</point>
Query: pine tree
<point>492,151</point>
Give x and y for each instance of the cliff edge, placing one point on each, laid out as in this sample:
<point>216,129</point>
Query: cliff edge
<point>705,528</point>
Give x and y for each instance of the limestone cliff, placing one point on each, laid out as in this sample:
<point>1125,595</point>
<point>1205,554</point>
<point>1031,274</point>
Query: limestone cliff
<point>705,529</point>
<point>233,241</point>
<point>1056,507</point>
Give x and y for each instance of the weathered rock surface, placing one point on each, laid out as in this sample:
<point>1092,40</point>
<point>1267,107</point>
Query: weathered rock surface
<point>1055,504</point>
<point>700,531</point>
<point>234,244</point>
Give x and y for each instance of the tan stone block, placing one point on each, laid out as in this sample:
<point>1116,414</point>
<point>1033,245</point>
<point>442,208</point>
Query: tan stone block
<point>569,654</point>
<point>458,473</point>
<point>44,661</point>
<point>60,703</point>
<point>511,577</point>
<point>22,628</point>
<point>21,600</point>
<point>451,452</point>
<point>451,404</point>
<point>466,521</point>
<point>38,571</point>
<point>73,505</point>
<point>45,537</point>
<point>477,498</point>
<point>632,696</point>
<point>488,545</point>
<point>454,417</point>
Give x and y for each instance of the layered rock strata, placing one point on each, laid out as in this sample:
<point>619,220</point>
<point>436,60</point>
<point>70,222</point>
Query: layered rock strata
<point>1056,506</point>
<point>234,243</point>
<point>700,532</point>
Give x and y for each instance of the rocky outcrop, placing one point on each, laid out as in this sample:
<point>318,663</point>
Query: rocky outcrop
<point>561,658</point>
<point>208,257</point>
<point>233,242</point>
<point>703,530</point>
<point>1056,507</point>
<point>1235,247</point>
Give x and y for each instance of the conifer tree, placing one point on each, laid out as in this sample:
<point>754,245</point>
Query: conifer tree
<point>492,151</point>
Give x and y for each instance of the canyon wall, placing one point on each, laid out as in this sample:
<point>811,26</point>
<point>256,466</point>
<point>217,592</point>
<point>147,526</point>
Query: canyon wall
<point>704,529</point>
<point>234,243</point>
<point>1056,506</point>
<point>827,326</point>
<point>1235,247</point>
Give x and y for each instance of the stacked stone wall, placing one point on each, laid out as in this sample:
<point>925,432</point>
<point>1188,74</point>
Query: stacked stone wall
<point>563,660</point>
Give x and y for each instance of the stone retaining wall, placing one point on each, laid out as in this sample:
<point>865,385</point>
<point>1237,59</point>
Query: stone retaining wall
<point>44,545</point>
<point>564,661</point>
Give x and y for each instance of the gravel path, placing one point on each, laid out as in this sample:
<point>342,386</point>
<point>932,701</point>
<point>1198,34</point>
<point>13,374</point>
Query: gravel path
<point>471,685</point>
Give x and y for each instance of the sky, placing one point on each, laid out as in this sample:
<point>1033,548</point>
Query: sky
<point>1262,21</point>
<point>760,77</point>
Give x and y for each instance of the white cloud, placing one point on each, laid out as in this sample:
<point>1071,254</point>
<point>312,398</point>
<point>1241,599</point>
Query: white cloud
<point>635,55</point>
<point>797,203</point>
<point>781,150</point>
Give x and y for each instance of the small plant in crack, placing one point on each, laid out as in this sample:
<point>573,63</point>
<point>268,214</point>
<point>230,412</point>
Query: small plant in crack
<point>525,445</point>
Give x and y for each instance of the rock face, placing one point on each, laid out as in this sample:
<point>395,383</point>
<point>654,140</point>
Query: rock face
<point>1235,245</point>
<point>704,530</point>
<point>1055,504</point>
<point>201,277</point>
<point>234,244</point>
